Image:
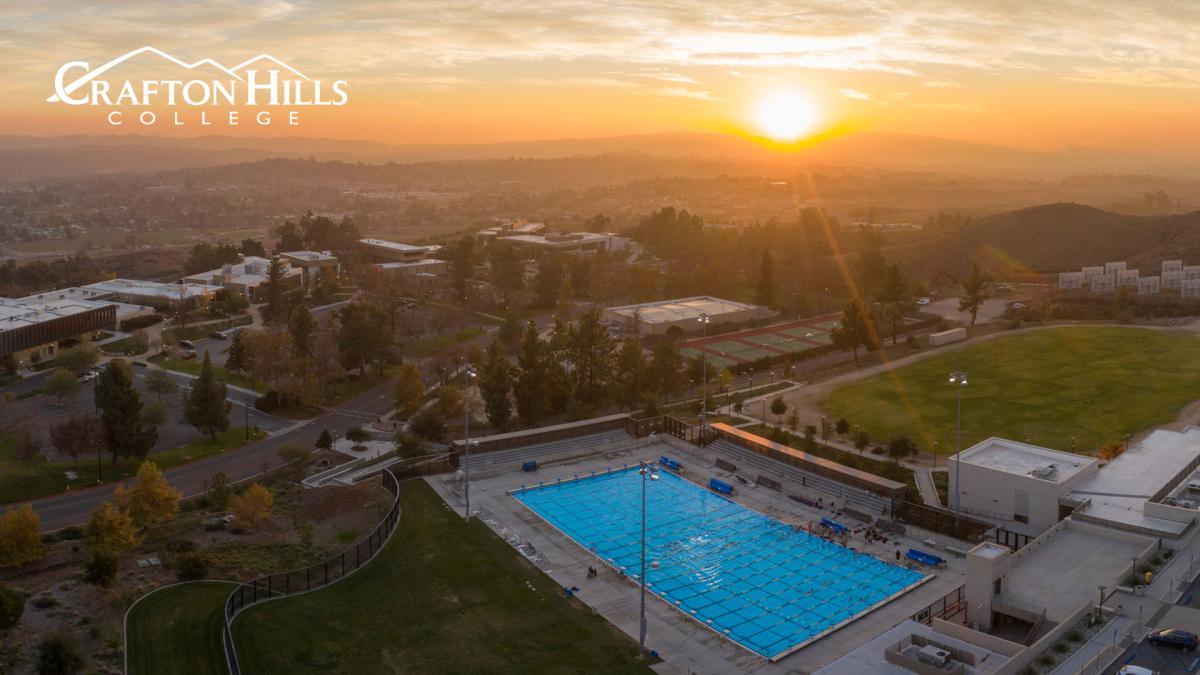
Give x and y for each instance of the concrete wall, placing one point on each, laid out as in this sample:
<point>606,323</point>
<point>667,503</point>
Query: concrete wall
<point>1174,513</point>
<point>1017,663</point>
<point>966,634</point>
<point>993,493</point>
<point>947,336</point>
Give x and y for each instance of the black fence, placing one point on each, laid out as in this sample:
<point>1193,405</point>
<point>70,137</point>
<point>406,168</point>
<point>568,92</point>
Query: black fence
<point>948,607</point>
<point>293,582</point>
<point>663,424</point>
<point>1014,540</point>
<point>939,520</point>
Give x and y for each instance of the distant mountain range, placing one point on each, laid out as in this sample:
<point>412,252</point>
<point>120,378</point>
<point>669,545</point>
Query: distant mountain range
<point>1054,238</point>
<point>42,157</point>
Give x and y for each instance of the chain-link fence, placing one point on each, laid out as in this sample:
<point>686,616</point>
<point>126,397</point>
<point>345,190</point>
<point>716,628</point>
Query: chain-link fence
<point>293,582</point>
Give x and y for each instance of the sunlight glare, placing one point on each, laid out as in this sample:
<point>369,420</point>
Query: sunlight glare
<point>786,116</point>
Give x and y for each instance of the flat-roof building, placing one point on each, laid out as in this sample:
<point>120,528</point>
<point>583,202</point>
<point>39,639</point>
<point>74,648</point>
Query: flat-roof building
<point>391,250</point>
<point>153,293</point>
<point>510,228</point>
<point>1016,482</point>
<point>246,276</point>
<point>571,242</point>
<point>312,262</point>
<point>31,331</point>
<point>656,318</point>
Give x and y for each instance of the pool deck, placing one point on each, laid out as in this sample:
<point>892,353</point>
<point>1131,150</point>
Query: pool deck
<point>686,645</point>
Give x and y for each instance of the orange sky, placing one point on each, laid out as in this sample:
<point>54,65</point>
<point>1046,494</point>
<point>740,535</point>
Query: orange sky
<point>1034,75</point>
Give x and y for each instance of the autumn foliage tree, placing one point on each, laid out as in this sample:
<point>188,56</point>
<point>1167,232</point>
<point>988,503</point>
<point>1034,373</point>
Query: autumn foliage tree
<point>150,500</point>
<point>110,531</point>
<point>253,506</point>
<point>20,537</point>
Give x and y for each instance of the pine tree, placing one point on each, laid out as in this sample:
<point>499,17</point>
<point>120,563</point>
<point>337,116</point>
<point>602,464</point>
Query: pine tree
<point>302,326</point>
<point>273,288</point>
<point>895,298</point>
<point>765,293</point>
<point>631,373</point>
<point>590,353</point>
<point>666,367</point>
<point>204,406</point>
<point>855,330</point>
<point>238,359</point>
<point>531,388</point>
<point>125,431</point>
<point>495,384</point>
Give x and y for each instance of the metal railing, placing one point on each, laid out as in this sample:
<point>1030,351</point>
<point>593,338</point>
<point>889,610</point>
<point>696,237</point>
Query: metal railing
<point>295,582</point>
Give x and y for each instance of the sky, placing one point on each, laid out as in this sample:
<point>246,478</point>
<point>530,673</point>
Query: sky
<point>1030,74</point>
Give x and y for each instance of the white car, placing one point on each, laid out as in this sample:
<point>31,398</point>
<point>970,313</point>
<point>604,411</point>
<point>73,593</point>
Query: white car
<point>1136,670</point>
<point>1018,305</point>
<point>923,301</point>
<point>88,377</point>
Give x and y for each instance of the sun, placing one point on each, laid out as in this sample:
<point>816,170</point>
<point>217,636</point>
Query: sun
<point>786,116</point>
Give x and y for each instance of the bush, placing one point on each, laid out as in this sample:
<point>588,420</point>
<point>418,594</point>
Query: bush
<point>1074,636</point>
<point>44,601</point>
<point>70,533</point>
<point>1046,660</point>
<point>140,322</point>
<point>191,565</point>
<point>180,545</point>
<point>1060,648</point>
<point>101,569</point>
<point>58,654</point>
<point>12,606</point>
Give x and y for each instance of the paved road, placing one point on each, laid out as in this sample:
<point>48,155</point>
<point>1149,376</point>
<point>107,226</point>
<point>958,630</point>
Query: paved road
<point>73,508</point>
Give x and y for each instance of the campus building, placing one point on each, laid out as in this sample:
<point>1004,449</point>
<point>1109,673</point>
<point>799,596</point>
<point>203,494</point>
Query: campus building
<point>656,318</point>
<point>149,293</point>
<point>31,331</point>
<point>246,277</point>
<point>510,228</point>
<point>424,275</point>
<point>383,250</point>
<point>311,262</point>
<point>570,242</point>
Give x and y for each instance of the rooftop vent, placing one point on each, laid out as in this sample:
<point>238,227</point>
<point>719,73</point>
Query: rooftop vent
<point>934,656</point>
<point>1044,471</point>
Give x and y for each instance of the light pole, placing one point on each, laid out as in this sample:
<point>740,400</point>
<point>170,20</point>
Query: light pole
<point>647,474</point>
<point>469,374</point>
<point>704,366</point>
<point>959,379</point>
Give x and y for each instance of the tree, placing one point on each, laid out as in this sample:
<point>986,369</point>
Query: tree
<point>237,359</point>
<point>495,385</point>
<point>61,384</point>
<point>895,298</point>
<point>358,435</point>
<point>826,429</point>
<point>159,382</point>
<point>154,414</point>
<point>872,268</point>
<point>842,427</point>
<point>793,419</point>
<point>219,491</point>
<point>861,440</point>
<point>150,500</point>
<point>630,374</point>
<point>79,358</point>
<point>566,298</point>
<point>532,384</point>
<point>58,654</point>
<point>855,329</point>
<point>270,358</point>
<point>449,400</point>
<point>778,407</point>
<point>12,606</point>
<point>28,441</point>
<point>410,389</point>
<point>725,379</point>
<point>430,425</point>
<point>1111,449</point>
<point>20,536</point>
<point>325,440</point>
<point>547,285</point>
<point>302,326</point>
<point>253,506</point>
<point>508,271</point>
<point>901,448</point>
<point>273,290</point>
<point>110,531</point>
<point>125,432</point>
<point>666,369</point>
<point>764,293</point>
<point>254,247</point>
<point>361,340</point>
<point>974,293</point>
<point>324,363</point>
<point>589,351</point>
<point>204,406</point>
<point>409,445</point>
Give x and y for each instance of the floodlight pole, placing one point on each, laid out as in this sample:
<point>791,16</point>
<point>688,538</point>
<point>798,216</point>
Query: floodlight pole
<point>646,476</point>
<point>469,373</point>
<point>959,379</point>
<point>704,365</point>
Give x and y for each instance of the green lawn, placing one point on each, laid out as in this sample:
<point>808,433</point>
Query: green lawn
<point>202,330</point>
<point>443,597</point>
<point>1069,388</point>
<point>178,630</point>
<point>192,367</point>
<point>21,481</point>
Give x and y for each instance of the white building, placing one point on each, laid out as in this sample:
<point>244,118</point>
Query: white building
<point>1112,267</point>
<point>1148,285</point>
<point>152,293</point>
<point>391,250</point>
<point>656,318</point>
<point>1127,278</point>
<point>1008,481</point>
<point>246,276</point>
<point>1070,280</point>
<point>1103,283</point>
<point>312,262</point>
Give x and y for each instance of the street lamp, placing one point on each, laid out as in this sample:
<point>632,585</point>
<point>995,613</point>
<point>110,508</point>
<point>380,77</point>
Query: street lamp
<point>647,473</point>
<point>704,365</point>
<point>469,374</point>
<point>959,379</point>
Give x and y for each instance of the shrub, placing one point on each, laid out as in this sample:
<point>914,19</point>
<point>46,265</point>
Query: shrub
<point>70,533</point>
<point>1060,648</point>
<point>58,654</point>
<point>191,565</point>
<point>180,545</point>
<point>1046,660</point>
<point>101,569</point>
<point>44,601</point>
<point>140,322</point>
<point>1074,636</point>
<point>12,606</point>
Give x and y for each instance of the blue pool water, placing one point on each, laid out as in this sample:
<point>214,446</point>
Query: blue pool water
<point>746,576</point>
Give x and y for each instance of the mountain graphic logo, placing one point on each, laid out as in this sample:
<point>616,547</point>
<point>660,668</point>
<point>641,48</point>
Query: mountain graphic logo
<point>93,73</point>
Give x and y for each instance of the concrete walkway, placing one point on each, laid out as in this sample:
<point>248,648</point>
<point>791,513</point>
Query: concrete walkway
<point>926,487</point>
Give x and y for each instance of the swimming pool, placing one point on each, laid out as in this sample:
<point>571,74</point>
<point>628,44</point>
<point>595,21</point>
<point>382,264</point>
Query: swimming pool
<point>750,578</point>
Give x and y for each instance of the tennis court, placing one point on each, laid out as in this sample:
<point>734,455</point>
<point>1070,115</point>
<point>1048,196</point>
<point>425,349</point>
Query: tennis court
<point>753,344</point>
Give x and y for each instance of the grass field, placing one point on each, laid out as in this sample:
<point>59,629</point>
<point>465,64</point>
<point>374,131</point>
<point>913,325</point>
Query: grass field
<point>178,630</point>
<point>443,597</point>
<point>21,481</point>
<point>1069,388</point>
<point>193,367</point>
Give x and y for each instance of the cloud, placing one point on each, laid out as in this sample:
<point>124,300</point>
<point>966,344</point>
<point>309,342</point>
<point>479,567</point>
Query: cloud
<point>686,93</point>
<point>854,94</point>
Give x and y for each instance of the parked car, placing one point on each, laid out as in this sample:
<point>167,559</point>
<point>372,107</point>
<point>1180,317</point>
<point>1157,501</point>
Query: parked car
<point>218,335</point>
<point>1136,670</point>
<point>88,377</point>
<point>187,344</point>
<point>1175,637</point>
<point>923,301</point>
<point>189,354</point>
<point>1017,305</point>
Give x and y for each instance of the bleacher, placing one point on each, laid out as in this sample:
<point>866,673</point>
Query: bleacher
<point>490,463</point>
<point>746,459</point>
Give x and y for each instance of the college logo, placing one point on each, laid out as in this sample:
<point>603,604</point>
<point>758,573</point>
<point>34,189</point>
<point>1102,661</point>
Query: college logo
<point>200,94</point>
